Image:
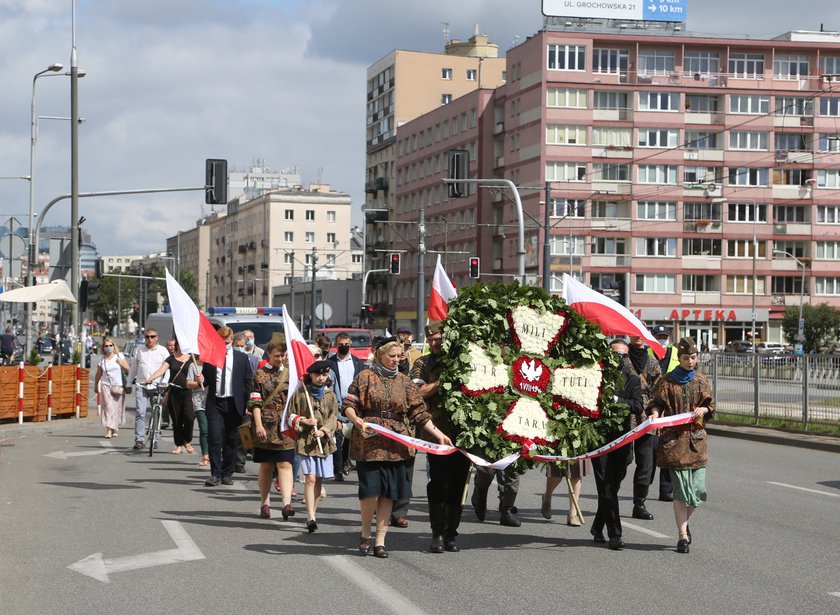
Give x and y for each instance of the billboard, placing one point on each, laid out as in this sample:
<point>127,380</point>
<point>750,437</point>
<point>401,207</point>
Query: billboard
<point>640,10</point>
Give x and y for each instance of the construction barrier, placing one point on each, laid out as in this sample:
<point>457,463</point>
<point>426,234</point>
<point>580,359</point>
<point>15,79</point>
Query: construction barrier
<point>29,393</point>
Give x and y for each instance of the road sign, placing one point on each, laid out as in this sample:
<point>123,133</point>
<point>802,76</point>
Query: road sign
<point>323,311</point>
<point>644,10</point>
<point>797,349</point>
<point>801,333</point>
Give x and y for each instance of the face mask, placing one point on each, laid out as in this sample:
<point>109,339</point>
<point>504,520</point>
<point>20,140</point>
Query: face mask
<point>249,343</point>
<point>227,346</point>
<point>108,350</point>
<point>343,348</point>
<point>241,349</point>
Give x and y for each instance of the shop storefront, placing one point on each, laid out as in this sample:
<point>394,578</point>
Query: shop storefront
<point>711,327</point>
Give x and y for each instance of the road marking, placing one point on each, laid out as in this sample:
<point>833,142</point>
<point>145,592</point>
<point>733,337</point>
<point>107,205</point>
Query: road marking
<point>834,495</point>
<point>108,447</point>
<point>835,594</point>
<point>373,586</point>
<point>185,550</point>
<point>643,530</point>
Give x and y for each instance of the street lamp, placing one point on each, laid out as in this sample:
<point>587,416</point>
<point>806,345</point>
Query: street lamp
<point>801,325</point>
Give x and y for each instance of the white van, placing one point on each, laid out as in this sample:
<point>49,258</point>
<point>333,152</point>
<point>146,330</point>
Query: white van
<point>771,348</point>
<point>263,321</point>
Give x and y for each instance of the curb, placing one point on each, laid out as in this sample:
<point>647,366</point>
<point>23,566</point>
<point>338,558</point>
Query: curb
<point>766,435</point>
<point>48,428</point>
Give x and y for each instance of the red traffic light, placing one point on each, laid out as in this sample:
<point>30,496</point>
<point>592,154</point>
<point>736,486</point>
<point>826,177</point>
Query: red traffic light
<point>475,267</point>
<point>395,264</point>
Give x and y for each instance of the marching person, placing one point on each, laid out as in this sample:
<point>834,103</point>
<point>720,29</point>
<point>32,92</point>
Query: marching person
<point>146,361</point>
<point>199,400</point>
<point>345,366</point>
<point>666,365</point>
<point>384,396</point>
<point>109,382</point>
<point>251,345</point>
<point>179,407</point>
<point>683,449</point>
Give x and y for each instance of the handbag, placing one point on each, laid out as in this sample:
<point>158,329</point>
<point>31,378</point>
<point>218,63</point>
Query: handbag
<point>245,433</point>
<point>117,390</point>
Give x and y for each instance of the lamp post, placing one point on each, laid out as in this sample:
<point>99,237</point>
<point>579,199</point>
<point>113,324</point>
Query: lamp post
<point>801,325</point>
<point>312,299</point>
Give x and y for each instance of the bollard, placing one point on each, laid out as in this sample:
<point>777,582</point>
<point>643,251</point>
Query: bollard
<point>78,392</point>
<point>49,392</point>
<point>20,393</point>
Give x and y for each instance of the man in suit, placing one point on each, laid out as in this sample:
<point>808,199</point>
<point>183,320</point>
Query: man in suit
<point>227,394</point>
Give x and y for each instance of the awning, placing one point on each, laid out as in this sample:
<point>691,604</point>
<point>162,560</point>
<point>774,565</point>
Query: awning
<point>57,290</point>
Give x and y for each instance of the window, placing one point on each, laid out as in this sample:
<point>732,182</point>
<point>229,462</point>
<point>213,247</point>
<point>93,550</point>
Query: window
<point>830,65</point>
<point>797,248</point>
<point>310,214</point>
<point>701,139</point>
<point>743,248</point>
<point>791,177</point>
<point>330,237</point>
<point>330,216</point>
<point>701,103</point>
<point>566,57</point>
<point>743,285</point>
<point>786,285</point>
<point>568,208</point>
<point>701,211</point>
<point>330,260</point>
<point>743,212</point>
<point>655,62</point>
<point>565,135</point>
<point>308,259</point>
<point>612,246</point>
<point>472,74</point>
<point>783,214</point>
<point>446,73</point>
<point>610,100</point>
<point>828,250</point>
<point>700,283</point>
<point>792,142</point>
<point>657,174</point>
<point>288,258</point>
<point>790,67</point>
<point>445,99</point>
<point>288,237</point>
<point>744,176</point>
<point>829,142</point>
<point>608,172</point>
<point>828,214</point>
<point>565,172</point>
<point>656,246</point>
<point>751,105</point>
<point>655,282</point>
<point>795,105</point>
<point>827,286</point>
<point>610,61</point>
<point>610,209</point>
<point>654,137</point>
<point>702,174</point>
<point>656,210</point>
<point>746,65</point>
<point>748,140</point>
<point>618,137</point>
<point>830,106</point>
<point>309,237</point>
<point>828,178</point>
<point>290,214</point>
<point>567,98</point>
<point>701,246</point>
<point>560,246</point>
<point>659,101</point>
<point>357,258</point>
<point>701,62</point>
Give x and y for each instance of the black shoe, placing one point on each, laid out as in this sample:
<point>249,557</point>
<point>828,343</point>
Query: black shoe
<point>666,497</point>
<point>380,552</point>
<point>616,544</point>
<point>682,546</point>
<point>479,504</point>
<point>240,469</point>
<point>450,545</point>
<point>436,546</point>
<point>597,535</point>
<point>688,532</point>
<point>227,480</point>
<point>640,512</point>
<point>139,445</point>
<point>514,510</point>
<point>311,525</point>
<point>507,518</point>
<point>212,481</point>
<point>339,478</point>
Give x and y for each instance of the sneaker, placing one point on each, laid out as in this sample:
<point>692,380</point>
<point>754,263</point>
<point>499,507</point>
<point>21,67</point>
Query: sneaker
<point>139,445</point>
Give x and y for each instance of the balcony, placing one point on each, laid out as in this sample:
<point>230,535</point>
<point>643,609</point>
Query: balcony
<point>499,128</point>
<point>700,298</point>
<point>786,300</point>
<point>702,226</point>
<point>712,155</point>
<point>792,229</point>
<point>381,183</point>
<point>791,192</point>
<point>612,151</point>
<point>612,187</point>
<point>609,260</point>
<point>615,115</point>
<point>711,263</point>
<point>705,119</point>
<point>613,224</point>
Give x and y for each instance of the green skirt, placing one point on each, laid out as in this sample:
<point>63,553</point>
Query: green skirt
<point>689,485</point>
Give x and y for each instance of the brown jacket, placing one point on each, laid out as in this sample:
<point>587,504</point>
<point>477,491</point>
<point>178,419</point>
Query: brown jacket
<point>326,411</point>
<point>265,381</point>
<point>390,402</point>
<point>684,446</point>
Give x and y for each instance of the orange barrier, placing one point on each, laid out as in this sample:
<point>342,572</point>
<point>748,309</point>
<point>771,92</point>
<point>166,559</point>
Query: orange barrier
<point>28,393</point>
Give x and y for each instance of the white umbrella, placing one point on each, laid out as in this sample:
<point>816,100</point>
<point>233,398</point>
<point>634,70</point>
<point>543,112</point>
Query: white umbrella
<point>57,291</point>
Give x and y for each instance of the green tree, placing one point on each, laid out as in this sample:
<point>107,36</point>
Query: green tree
<point>117,297</point>
<point>821,325</point>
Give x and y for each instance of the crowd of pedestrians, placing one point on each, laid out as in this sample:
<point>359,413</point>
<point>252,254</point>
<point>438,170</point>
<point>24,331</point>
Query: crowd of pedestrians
<point>399,388</point>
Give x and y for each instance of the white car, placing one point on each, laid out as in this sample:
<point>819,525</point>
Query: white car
<point>771,348</point>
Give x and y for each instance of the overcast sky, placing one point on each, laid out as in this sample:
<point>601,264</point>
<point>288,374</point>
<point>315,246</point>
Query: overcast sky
<point>172,82</point>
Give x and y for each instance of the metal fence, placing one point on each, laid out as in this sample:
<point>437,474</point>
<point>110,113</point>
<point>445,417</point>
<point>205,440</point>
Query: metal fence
<point>802,389</point>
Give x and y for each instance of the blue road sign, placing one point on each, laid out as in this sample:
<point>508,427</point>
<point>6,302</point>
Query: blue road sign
<point>665,10</point>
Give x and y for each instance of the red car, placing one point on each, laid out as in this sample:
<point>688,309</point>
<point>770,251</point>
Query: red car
<point>361,340</point>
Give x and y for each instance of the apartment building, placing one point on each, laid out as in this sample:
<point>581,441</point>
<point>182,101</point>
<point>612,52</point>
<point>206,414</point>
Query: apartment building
<point>689,177</point>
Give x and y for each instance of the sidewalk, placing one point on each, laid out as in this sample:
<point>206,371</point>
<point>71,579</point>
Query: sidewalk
<point>766,435</point>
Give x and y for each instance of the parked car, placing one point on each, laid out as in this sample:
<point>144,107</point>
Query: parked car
<point>739,346</point>
<point>771,348</point>
<point>361,340</point>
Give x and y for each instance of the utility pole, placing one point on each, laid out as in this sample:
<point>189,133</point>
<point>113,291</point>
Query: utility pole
<point>546,240</point>
<point>312,300</point>
<point>292,284</point>
<point>421,272</point>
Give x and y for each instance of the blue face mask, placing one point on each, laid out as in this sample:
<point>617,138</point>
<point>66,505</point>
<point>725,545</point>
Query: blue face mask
<point>108,350</point>
<point>249,343</point>
<point>227,346</point>
<point>241,349</point>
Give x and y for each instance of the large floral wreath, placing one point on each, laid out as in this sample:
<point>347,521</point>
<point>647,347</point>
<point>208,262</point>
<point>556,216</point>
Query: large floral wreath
<point>521,368</point>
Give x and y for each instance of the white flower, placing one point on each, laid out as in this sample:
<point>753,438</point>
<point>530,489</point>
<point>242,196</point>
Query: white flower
<point>580,385</point>
<point>485,374</point>
<point>535,330</point>
<point>526,419</point>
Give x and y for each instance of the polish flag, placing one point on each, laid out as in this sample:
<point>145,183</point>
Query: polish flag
<point>300,358</point>
<point>443,291</point>
<point>194,332</point>
<point>611,316</point>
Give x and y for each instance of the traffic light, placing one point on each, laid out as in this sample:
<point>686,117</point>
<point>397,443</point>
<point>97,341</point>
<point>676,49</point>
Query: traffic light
<point>367,312</point>
<point>459,168</point>
<point>92,292</point>
<point>395,264</point>
<point>475,267</point>
<point>83,295</point>
<point>215,181</point>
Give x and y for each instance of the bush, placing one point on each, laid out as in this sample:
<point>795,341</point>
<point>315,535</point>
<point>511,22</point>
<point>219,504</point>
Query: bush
<point>34,357</point>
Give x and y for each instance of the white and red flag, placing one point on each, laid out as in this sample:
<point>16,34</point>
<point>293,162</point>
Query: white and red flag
<point>611,316</point>
<point>194,332</point>
<point>443,291</point>
<point>300,358</point>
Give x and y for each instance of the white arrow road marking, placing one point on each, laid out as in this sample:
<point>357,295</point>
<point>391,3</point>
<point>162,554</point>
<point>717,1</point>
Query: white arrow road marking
<point>643,530</point>
<point>185,551</point>
<point>834,495</point>
<point>835,594</point>
<point>108,448</point>
<point>373,586</point>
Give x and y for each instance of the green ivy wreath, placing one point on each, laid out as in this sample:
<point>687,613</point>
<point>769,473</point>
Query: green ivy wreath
<point>481,316</point>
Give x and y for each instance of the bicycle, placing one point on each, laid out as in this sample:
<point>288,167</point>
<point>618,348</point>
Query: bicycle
<point>153,428</point>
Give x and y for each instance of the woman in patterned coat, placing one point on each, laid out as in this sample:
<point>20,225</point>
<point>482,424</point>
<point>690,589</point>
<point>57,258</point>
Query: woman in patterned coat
<point>385,396</point>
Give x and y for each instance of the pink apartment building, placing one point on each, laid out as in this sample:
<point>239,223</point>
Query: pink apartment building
<point>666,156</point>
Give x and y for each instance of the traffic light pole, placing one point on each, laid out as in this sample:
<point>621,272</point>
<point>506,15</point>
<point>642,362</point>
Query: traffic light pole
<point>421,272</point>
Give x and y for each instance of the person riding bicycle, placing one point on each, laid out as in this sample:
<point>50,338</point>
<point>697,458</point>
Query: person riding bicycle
<point>8,344</point>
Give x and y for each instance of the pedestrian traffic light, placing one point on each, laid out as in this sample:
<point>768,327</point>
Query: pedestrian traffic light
<point>215,181</point>
<point>395,264</point>
<point>459,168</point>
<point>475,267</point>
<point>367,312</point>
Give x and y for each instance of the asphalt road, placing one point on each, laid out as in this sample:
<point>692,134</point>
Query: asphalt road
<point>766,542</point>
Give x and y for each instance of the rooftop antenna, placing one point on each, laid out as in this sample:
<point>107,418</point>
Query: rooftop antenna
<point>445,25</point>
<point>477,30</point>
<point>319,175</point>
